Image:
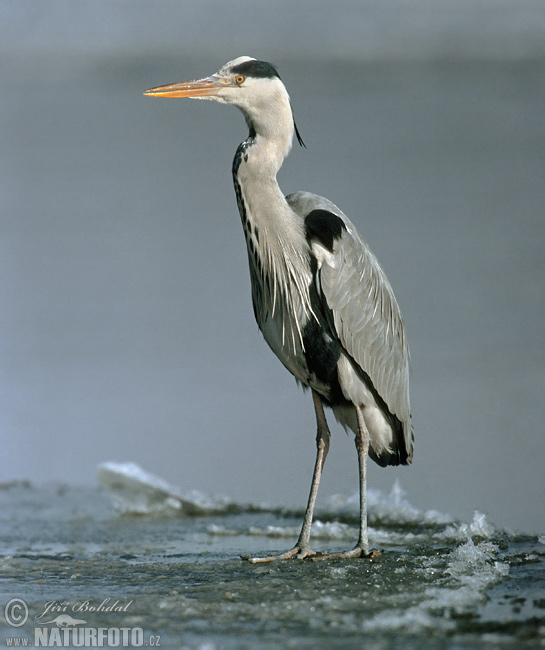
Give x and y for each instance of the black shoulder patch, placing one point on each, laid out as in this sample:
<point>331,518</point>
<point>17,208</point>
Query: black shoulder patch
<point>324,226</point>
<point>259,69</point>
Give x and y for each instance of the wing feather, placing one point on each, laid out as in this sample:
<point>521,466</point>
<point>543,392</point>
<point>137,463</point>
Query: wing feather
<point>365,313</point>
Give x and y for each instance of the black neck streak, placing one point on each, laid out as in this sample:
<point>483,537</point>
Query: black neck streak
<point>251,232</point>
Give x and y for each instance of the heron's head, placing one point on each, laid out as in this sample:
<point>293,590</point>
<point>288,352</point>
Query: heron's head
<point>252,86</point>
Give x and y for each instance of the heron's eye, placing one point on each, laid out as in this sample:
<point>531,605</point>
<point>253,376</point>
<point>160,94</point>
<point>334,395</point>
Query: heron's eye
<point>240,79</point>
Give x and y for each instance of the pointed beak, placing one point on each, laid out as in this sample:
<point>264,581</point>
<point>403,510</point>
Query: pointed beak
<point>207,87</point>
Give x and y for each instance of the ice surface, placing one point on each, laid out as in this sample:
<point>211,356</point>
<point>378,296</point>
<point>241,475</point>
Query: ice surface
<point>472,570</point>
<point>320,530</point>
<point>451,584</point>
<point>395,521</point>
<point>435,585</point>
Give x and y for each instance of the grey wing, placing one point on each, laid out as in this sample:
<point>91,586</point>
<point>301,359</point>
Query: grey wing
<point>366,316</point>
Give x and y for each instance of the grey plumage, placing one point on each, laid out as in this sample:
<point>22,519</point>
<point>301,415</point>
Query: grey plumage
<point>366,318</point>
<point>320,297</point>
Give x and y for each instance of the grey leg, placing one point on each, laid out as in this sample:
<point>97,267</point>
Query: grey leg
<point>362,446</point>
<point>323,437</point>
<point>302,548</point>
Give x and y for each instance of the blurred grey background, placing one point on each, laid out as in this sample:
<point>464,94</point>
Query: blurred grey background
<point>126,323</point>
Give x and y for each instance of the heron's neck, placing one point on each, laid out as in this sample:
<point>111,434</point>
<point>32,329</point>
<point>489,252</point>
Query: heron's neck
<point>275,236</point>
<point>255,166</point>
<point>263,208</point>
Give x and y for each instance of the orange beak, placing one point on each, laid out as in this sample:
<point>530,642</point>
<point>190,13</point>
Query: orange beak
<point>206,87</point>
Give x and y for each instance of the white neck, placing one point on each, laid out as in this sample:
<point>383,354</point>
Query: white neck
<point>275,235</point>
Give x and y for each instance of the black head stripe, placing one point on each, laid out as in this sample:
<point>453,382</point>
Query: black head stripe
<point>258,69</point>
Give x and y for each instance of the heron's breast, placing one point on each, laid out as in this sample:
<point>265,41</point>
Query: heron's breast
<point>282,332</point>
<point>311,354</point>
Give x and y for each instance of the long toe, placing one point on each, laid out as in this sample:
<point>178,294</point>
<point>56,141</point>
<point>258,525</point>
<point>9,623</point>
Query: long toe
<point>358,551</point>
<point>297,552</point>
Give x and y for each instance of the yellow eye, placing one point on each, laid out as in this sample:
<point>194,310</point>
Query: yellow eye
<point>240,79</point>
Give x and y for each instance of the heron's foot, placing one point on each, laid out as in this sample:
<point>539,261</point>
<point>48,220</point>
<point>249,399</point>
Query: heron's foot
<point>298,552</point>
<point>357,551</point>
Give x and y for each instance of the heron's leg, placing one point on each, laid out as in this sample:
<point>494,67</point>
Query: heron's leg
<point>323,436</point>
<point>362,446</point>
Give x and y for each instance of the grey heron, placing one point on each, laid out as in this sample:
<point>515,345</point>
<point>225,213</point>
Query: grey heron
<point>320,297</point>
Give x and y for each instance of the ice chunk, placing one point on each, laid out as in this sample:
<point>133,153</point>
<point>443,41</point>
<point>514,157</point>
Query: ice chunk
<point>479,527</point>
<point>136,491</point>
<point>387,509</point>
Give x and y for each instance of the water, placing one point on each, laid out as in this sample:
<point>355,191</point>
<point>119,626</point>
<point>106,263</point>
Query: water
<point>437,583</point>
